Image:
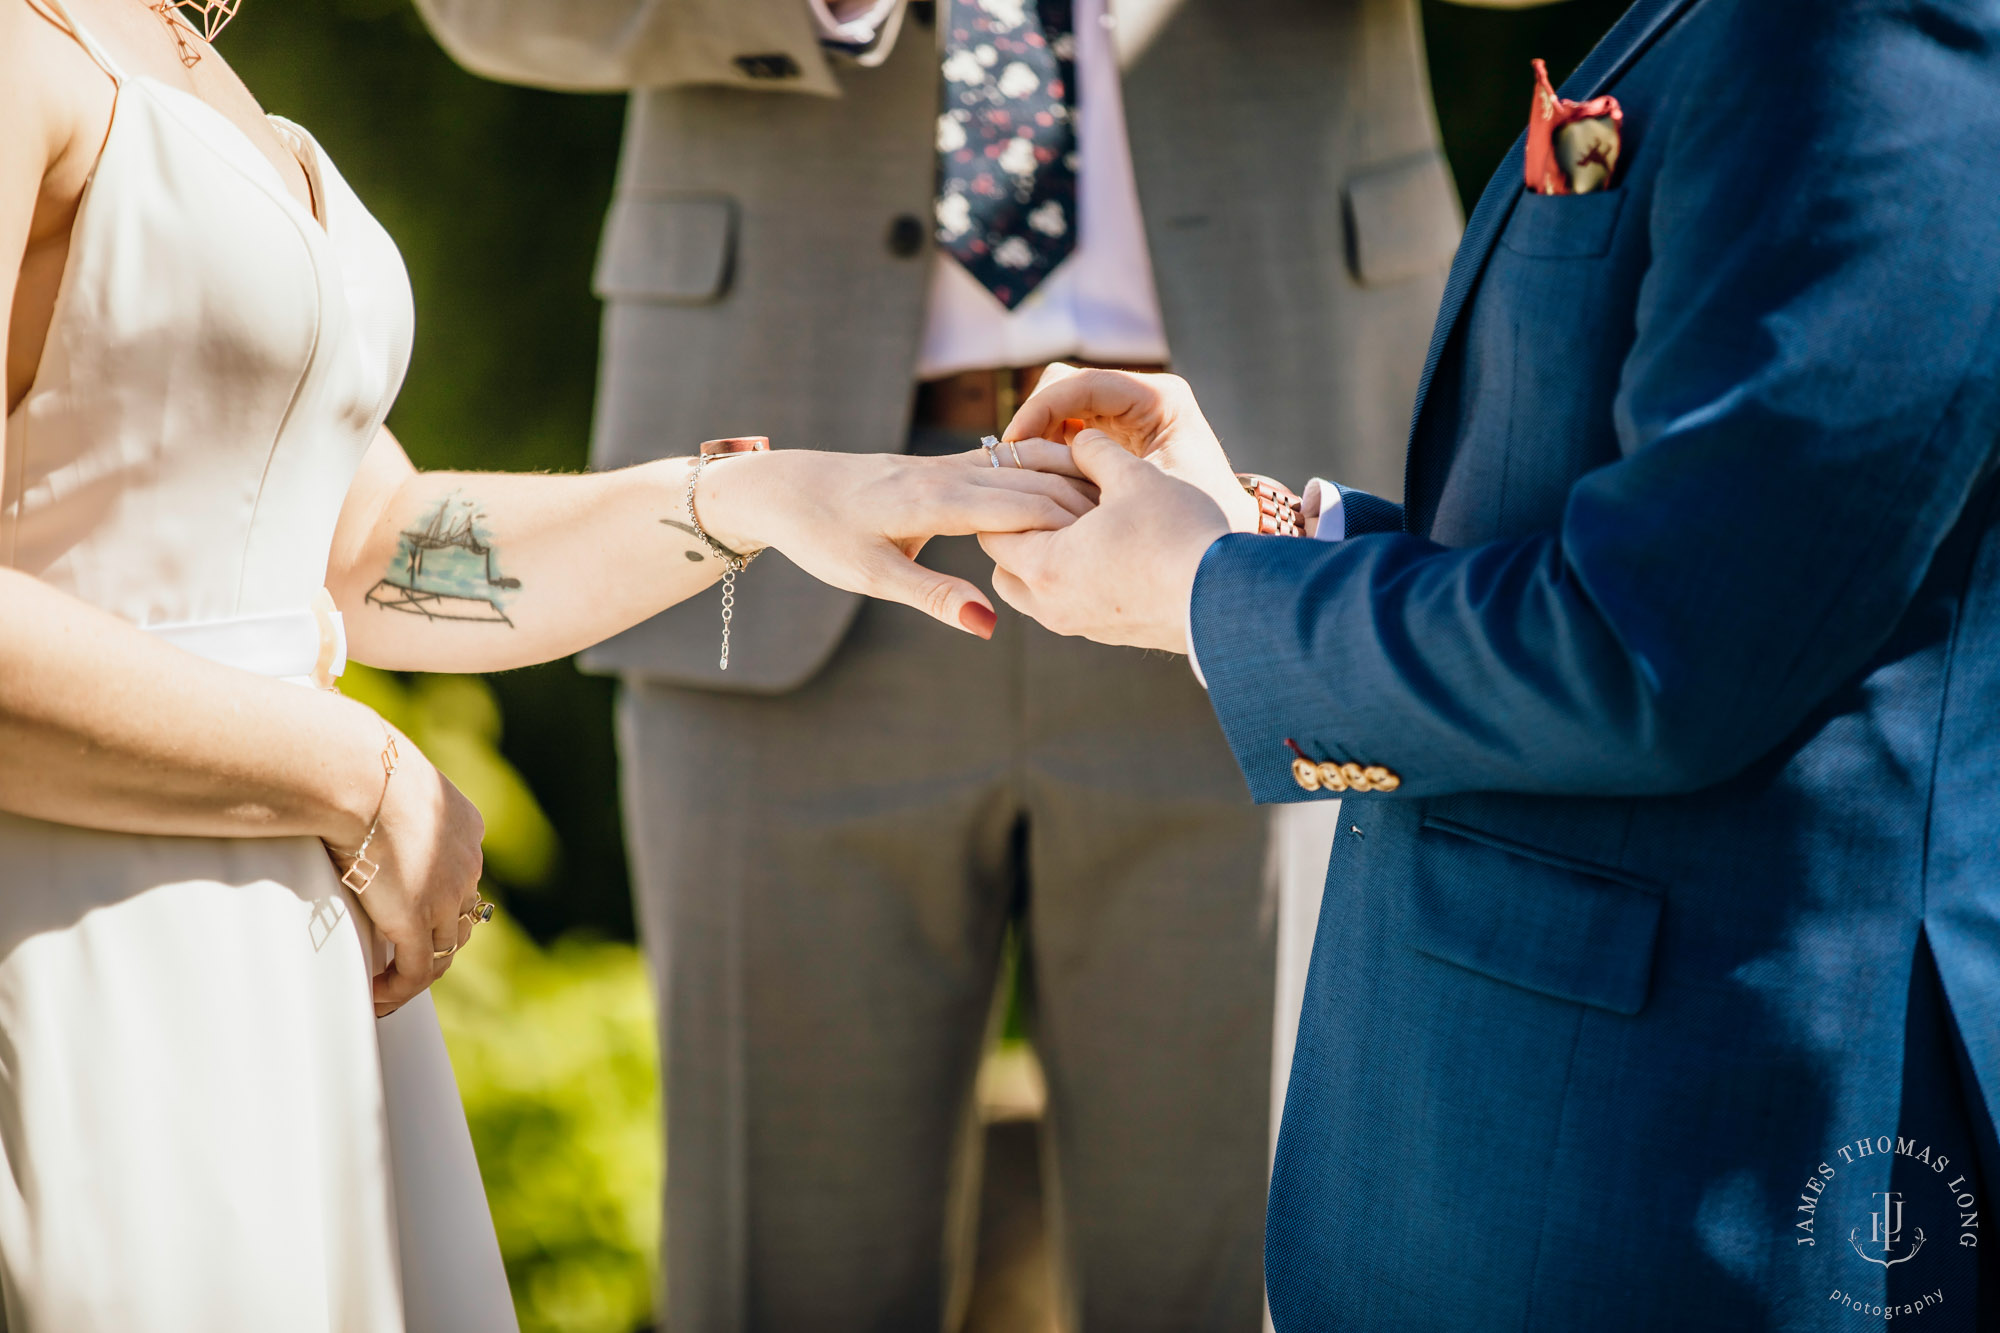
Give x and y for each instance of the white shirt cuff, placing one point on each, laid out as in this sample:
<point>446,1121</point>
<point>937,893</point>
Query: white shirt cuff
<point>864,29</point>
<point>1326,521</point>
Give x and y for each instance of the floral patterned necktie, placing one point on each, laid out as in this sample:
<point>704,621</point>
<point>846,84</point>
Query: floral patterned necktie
<point>1006,202</point>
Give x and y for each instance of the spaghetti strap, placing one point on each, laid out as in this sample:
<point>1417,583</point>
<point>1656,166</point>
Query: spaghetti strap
<point>87,42</point>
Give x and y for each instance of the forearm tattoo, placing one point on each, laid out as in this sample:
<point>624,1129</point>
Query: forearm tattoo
<point>444,569</point>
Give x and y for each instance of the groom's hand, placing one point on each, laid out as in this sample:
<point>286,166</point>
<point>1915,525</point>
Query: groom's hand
<point>1122,573</point>
<point>1155,417</point>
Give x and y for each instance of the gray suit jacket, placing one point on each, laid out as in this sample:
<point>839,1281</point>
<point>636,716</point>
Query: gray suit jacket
<point>767,256</point>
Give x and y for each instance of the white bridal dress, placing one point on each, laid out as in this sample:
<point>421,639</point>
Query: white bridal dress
<point>202,1125</point>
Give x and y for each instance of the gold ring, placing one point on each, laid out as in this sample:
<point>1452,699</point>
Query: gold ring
<point>443,953</point>
<point>478,914</point>
<point>1015,450</point>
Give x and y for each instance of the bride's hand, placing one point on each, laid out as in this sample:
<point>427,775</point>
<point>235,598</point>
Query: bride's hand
<point>857,521</point>
<point>426,848</point>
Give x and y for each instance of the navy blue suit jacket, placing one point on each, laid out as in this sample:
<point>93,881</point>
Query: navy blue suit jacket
<point>1687,653</point>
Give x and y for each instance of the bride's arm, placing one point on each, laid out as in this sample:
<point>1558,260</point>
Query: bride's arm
<point>446,571</point>
<point>103,726</point>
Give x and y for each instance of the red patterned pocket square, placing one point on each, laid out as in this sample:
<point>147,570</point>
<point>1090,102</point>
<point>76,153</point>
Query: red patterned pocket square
<point>1572,146</point>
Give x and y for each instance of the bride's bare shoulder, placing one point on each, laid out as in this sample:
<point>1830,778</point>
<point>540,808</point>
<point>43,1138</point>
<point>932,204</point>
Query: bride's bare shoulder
<point>54,98</point>
<point>24,93</point>
<point>55,109</point>
<point>29,32</point>
<point>41,79</point>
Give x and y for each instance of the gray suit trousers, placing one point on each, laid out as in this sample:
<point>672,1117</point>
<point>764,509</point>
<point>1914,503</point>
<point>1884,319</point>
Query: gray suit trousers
<point>825,880</point>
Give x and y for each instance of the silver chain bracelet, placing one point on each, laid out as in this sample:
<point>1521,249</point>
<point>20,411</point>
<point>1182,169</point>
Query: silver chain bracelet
<point>732,563</point>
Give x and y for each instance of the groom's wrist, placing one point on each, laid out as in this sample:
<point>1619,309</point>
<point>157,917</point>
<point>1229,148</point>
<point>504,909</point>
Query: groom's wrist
<point>1180,567</point>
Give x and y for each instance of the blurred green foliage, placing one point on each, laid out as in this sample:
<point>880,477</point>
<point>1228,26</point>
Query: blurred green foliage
<point>553,1045</point>
<point>455,720</point>
<point>554,1051</point>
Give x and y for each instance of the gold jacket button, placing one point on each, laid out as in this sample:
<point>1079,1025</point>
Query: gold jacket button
<point>1357,777</point>
<point>1331,777</point>
<point>1306,773</point>
<point>1381,778</point>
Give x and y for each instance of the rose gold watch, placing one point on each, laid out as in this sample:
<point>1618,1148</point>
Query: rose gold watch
<point>1279,512</point>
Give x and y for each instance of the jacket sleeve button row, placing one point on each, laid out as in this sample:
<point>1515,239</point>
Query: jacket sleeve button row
<point>1332,777</point>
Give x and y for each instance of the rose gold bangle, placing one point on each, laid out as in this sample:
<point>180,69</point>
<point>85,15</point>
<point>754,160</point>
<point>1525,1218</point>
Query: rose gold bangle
<point>362,871</point>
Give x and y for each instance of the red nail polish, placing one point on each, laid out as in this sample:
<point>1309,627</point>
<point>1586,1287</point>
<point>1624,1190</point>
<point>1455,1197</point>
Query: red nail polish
<point>978,619</point>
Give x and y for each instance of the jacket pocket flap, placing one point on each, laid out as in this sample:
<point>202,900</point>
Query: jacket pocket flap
<point>674,248</point>
<point>1402,220</point>
<point>1534,919</point>
<point>1564,226</point>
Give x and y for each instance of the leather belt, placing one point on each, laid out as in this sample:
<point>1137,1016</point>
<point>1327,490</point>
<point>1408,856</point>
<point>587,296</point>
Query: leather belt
<point>982,402</point>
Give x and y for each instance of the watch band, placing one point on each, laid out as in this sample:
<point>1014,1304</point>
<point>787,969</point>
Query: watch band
<point>739,444</point>
<point>1280,513</point>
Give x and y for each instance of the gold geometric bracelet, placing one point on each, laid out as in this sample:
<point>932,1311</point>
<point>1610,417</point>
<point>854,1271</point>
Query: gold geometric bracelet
<point>363,871</point>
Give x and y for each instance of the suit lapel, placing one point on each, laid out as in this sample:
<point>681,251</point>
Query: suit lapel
<point>1626,42</point>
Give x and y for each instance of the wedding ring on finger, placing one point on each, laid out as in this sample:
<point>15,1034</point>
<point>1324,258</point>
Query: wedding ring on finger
<point>991,444</point>
<point>1041,455</point>
<point>439,955</point>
